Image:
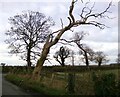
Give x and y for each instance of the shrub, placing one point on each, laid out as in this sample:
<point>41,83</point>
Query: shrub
<point>106,85</point>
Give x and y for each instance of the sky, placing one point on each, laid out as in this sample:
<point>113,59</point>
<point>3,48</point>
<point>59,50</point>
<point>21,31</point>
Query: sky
<point>105,40</point>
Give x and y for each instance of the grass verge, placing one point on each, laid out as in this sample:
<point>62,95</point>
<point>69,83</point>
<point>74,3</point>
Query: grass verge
<point>84,83</point>
<point>27,84</point>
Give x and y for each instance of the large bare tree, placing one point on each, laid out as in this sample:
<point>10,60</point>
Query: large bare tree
<point>87,17</point>
<point>26,34</point>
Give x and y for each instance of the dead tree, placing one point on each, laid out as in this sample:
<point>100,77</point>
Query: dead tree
<point>85,19</point>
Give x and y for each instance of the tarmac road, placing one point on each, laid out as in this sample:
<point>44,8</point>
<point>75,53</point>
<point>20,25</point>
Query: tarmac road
<point>0,83</point>
<point>11,90</point>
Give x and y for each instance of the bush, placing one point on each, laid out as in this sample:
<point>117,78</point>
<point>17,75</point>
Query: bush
<point>106,85</point>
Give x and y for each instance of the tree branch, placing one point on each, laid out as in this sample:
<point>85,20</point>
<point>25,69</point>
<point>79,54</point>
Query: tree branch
<point>99,14</point>
<point>71,10</point>
<point>61,23</point>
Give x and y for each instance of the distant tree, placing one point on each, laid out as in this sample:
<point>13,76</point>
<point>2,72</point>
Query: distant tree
<point>100,58</point>
<point>26,34</point>
<point>73,57</point>
<point>88,54</point>
<point>3,64</point>
<point>84,50</point>
<point>118,59</point>
<point>61,55</point>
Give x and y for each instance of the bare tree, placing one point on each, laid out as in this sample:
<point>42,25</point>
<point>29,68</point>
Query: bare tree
<point>84,50</point>
<point>85,19</point>
<point>100,58</point>
<point>87,53</point>
<point>61,55</point>
<point>3,64</point>
<point>26,34</point>
<point>118,59</point>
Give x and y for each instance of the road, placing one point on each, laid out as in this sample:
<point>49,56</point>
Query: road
<point>13,90</point>
<point>0,83</point>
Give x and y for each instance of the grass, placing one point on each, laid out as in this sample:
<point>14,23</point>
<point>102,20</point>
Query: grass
<point>55,83</point>
<point>26,83</point>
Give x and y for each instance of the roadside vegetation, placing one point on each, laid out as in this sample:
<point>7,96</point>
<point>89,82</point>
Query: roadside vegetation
<point>27,84</point>
<point>87,81</point>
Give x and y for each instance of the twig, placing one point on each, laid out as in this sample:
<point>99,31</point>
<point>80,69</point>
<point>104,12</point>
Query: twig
<point>61,23</point>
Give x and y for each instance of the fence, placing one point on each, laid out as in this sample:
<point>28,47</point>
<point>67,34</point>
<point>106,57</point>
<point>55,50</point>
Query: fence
<point>80,83</point>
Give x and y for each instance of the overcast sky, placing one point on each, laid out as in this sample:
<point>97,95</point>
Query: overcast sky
<point>99,40</point>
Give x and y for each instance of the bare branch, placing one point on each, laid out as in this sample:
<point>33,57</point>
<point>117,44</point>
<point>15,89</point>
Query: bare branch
<point>65,43</point>
<point>56,31</point>
<point>70,21</point>
<point>71,10</point>
<point>69,41</point>
<point>82,1</point>
<point>85,15</point>
<point>99,14</point>
<point>61,23</point>
<point>83,10</point>
<point>90,10</point>
<point>78,36</point>
<point>48,59</point>
<point>97,24</point>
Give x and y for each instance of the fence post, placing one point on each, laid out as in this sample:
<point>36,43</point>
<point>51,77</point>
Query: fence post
<point>71,83</point>
<point>52,78</point>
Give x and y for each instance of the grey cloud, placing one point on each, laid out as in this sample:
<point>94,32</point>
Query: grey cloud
<point>58,10</point>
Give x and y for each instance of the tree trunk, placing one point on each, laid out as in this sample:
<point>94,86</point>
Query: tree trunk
<point>63,62</point>
<point>71,83</point>
<point>46,48</point>
<point>86,59</point>
<point>28,58</point>
<point>40,62</point>
<point>85,54</point>
<point>99,63</point>
<point>72,58</point>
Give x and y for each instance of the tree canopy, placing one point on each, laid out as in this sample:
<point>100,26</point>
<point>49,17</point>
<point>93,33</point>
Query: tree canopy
<point>28,30</point>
